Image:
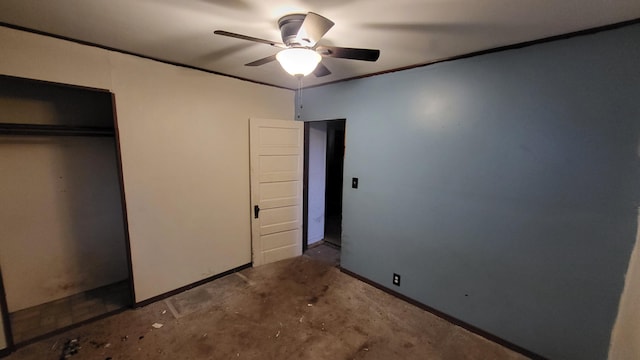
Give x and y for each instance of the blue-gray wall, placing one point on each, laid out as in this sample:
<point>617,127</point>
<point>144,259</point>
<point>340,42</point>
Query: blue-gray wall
<point>503,188</point>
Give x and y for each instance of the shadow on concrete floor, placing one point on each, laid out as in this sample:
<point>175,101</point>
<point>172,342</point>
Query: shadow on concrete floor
<point>324,252</point>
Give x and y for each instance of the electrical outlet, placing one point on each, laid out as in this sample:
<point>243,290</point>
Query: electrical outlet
<point>396,279</point>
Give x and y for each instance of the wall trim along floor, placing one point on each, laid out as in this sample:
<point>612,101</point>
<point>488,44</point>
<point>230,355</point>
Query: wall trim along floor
<point>447,317</point>
<point>191,286</point>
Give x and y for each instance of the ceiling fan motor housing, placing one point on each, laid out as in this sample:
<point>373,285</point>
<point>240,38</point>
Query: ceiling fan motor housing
<point>289,26</point>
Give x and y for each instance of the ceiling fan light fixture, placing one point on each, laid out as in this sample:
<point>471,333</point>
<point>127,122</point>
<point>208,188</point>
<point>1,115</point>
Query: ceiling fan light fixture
<point>298,61</point>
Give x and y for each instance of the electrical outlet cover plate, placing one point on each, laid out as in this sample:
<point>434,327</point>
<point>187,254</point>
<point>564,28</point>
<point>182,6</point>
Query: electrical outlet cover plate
<point>396,279</point>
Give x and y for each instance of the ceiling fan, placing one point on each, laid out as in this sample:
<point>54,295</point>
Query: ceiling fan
<point>301,54</point>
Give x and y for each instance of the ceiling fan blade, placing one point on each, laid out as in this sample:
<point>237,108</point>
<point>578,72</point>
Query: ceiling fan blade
<point>262,61</point>
<point>349,53</point>
<point>313,29</point>
<point>321,71</point>
<point>250,38</point>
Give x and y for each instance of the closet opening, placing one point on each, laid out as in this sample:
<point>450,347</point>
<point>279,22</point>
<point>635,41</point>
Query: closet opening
<point>64,247</point>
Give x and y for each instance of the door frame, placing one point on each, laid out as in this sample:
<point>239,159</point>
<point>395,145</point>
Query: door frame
<point>6,321</point>
<point>305,179</point>
<point>123,200</point>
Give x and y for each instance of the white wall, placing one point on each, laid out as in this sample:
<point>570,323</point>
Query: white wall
<point>317,175</point>
<point>185,153</point>
<point>625,337</point>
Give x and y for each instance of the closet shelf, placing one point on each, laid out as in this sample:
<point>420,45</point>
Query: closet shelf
<point>54,130</point>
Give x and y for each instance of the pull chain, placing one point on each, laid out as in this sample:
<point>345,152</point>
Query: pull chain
<point>299,107</point>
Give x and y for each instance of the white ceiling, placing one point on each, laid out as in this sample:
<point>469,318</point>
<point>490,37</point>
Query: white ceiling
<point>407,32</point>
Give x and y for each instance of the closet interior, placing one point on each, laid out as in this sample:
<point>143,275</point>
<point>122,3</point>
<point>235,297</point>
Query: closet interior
<point>64,254</point>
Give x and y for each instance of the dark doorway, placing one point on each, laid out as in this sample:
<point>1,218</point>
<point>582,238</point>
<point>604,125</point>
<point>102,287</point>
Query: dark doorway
<point>333,190</point>
<point>323,181</point>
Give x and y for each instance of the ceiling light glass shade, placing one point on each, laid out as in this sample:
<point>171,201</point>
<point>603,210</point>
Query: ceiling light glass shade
<point>298,61</point>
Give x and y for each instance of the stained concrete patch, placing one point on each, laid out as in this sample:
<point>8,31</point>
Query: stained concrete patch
<point>203,297</point>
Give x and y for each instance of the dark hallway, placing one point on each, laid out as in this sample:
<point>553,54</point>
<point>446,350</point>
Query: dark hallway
<point>333,192</point>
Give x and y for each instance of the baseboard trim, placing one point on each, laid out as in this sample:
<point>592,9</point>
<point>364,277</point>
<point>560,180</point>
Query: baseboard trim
<point>6,351</point>
<point>449,318</point>
<point>190,286</point>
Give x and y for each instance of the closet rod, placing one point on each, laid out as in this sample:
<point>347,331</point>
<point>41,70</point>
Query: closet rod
<point>54,130</point>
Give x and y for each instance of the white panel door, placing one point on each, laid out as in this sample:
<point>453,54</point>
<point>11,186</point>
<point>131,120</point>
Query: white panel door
<point>276,189</point>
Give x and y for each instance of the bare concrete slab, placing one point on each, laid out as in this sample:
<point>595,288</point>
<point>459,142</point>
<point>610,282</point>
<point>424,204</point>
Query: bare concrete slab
<point>300,308</point>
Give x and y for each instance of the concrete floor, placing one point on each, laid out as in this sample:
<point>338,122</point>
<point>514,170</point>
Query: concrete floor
<point>302,308</point>
<point>33,322</point>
